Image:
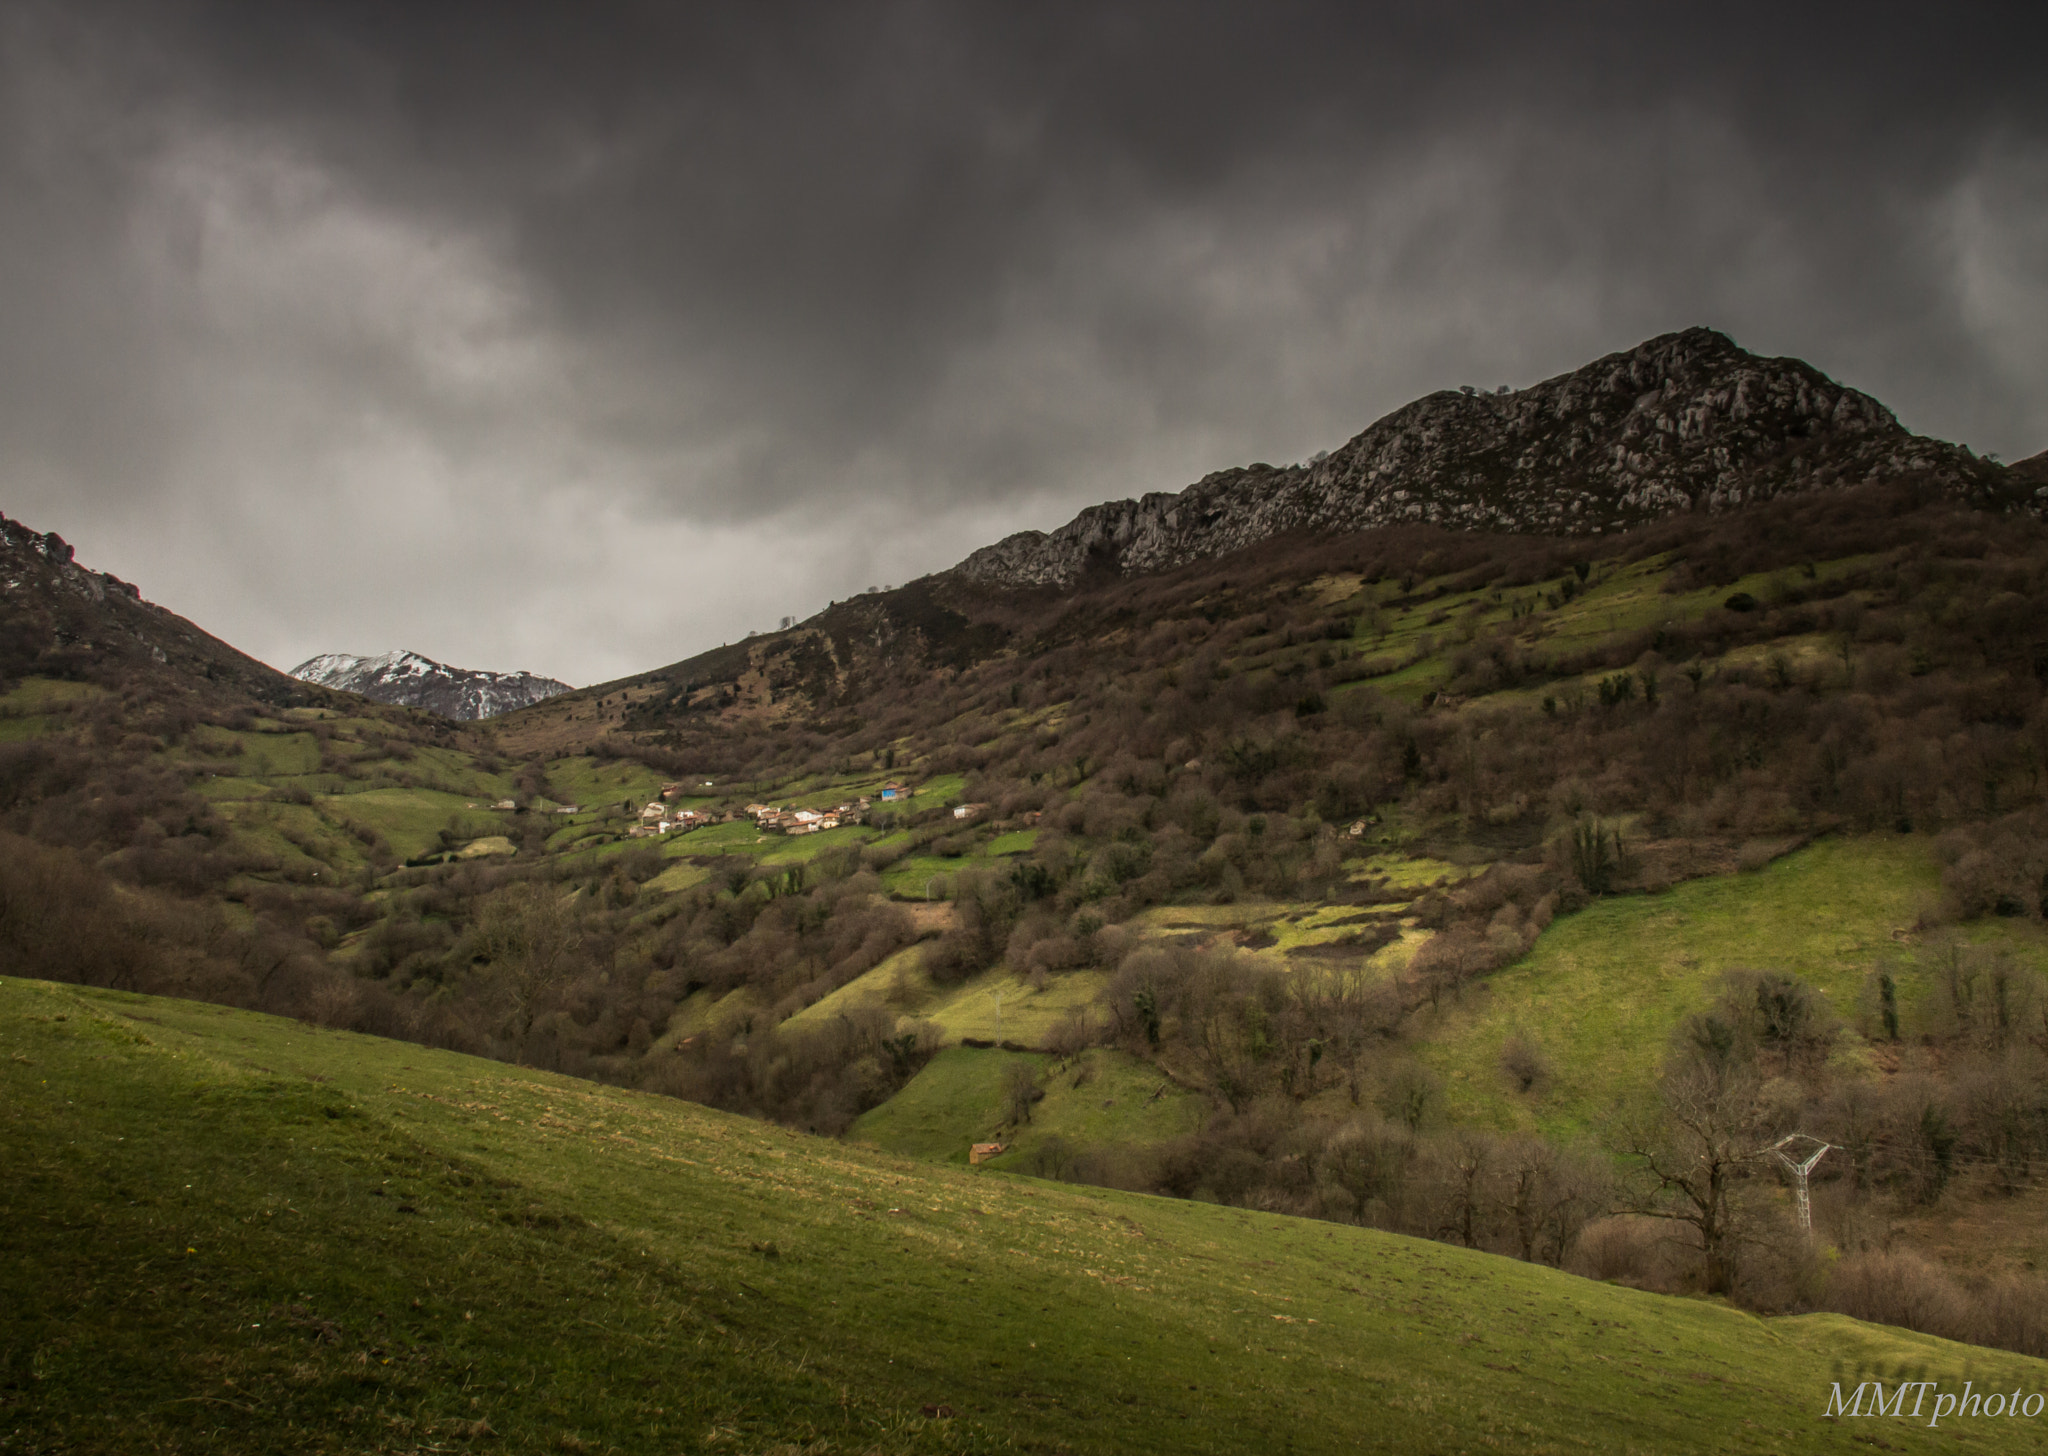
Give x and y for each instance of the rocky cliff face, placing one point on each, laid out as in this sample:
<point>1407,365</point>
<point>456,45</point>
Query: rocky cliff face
<point>2030,473</point>
<point>413,681</point>
<point>1685,422</point>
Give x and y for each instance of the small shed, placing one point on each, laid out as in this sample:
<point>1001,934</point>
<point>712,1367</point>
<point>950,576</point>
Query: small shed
<point>982,1152</point>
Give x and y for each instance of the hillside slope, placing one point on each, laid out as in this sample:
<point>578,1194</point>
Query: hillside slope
<point>59,619</point>
<point>232,1233</point>
<point>1685,427</point>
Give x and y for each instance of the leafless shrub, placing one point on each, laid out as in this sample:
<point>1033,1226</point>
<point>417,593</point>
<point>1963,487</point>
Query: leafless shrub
<point>1899,1288</point>
<point>1645,1253</point>
<point>1072,1033</point>
<point>1524,1062</point>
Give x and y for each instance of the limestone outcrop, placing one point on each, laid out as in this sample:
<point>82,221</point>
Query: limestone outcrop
<point>1685,422</point>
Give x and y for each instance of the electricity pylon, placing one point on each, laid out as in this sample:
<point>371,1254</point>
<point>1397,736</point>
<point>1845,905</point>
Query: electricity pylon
<point>1783,1151</point>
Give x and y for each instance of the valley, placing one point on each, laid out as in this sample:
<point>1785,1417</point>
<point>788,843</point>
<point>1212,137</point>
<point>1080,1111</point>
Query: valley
<point>1398,903</point>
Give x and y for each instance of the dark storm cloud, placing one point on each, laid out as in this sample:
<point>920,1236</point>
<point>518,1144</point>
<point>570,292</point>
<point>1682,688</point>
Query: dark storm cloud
<point>582,337</point>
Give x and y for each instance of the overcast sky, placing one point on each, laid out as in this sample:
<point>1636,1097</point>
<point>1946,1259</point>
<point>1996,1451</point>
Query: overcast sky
<point>581,337</point>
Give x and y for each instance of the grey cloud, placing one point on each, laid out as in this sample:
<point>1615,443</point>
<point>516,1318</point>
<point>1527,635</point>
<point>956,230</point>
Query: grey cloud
<point>451,326</point>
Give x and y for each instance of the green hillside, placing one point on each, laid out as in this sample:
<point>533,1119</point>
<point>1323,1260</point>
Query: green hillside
<point>1601,991</point>
<point>228,1232</point>
<point>1100,1099</point>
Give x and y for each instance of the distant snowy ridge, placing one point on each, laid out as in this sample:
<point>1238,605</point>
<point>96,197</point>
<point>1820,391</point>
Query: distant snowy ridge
<point>413,681</point>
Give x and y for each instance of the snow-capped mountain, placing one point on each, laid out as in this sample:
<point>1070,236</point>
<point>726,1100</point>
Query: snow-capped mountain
<point>414,681</point>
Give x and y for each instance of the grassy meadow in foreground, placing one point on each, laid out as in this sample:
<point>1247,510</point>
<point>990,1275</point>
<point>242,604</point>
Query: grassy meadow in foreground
<point>227,1232</point>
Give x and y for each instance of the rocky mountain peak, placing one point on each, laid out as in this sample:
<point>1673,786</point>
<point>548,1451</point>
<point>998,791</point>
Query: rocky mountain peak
<point>1686,421</point>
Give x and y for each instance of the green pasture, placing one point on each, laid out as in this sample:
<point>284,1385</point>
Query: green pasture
<point>1412,682</point>
<point>997,1006</point>
<point>1100,1100</point>
<point>1604,989</point>
<point>937,791</point>
<point>925,876</point>
<point>1614,600</point>
<point>786,849</point>
<point>954,1101</point>
<point>455,772</point>
<point>38,694</point>
<point>1185,918</point>
<point>267,755</point>
<point>589,855</point>
<point>411,820</point>
<point>230,787</point>
<point>1408,872</point>
<point>993,1006</point>
<point>312,844</point>
<point>595,783</point>
<point>20,727</point>
<point>1103,1099</point>
<point>578,827</point>
<point>681,875</point>
<point>704,1009</point>
<point>1267,930</point>
<point>292,832</point>
<point>1768,586</point>
<point>875,986</point>
<point>237,1234</point>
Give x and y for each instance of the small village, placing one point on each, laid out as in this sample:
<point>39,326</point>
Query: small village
<point>661,817</point>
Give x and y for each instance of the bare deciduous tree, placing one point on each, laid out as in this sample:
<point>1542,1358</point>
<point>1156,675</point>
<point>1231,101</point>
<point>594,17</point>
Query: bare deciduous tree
<point>528,933</point>
<point>1020,1089</point>
<point>1548,1195</point>
<point>1464,1172</point>
<point>1692,1153</point>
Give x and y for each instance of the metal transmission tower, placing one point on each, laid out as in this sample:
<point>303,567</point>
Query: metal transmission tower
<point>1786,1150</point>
